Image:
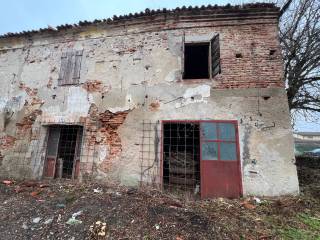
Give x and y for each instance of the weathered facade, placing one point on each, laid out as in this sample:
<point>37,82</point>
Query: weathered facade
<point>127,96</point>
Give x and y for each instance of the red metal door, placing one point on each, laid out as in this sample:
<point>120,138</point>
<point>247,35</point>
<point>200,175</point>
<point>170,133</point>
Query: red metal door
<point>220,163</point>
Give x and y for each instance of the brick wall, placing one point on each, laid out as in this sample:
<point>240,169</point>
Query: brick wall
<point>250,57</point>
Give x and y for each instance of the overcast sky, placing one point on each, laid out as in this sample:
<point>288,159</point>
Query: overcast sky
<point>21,15</point>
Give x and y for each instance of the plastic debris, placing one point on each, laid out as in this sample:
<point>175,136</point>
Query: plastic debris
<point>97,190</point>
<point>50,220</point>
<point>73,221</point>
<point>157,226</point>
<point>257,200</point>
<point>60,205</point>
<point>36,220</point>
<point>25,226</point>
<point>76,214</point>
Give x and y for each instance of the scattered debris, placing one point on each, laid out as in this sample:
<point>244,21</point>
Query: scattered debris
<point>131,191</point>
<point>157,226</point>
<point>73,221</point>
<point>257,200</point>
<point>247,204</point>
<point>60,205</point>
<point>35,193</point>
<point>118,194</point>
<point>36,220</point>
<point>97,190</point>
<point>75,211</point>
<point>25,226</point>
<point>7,182</point>
<point>76,214</point>
<point>49,221</point>
<point>19,189</point>
<point>98,230</point>
<point>29,184</point>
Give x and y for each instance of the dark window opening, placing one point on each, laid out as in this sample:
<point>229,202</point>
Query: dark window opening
<point>238,55</point>
<point>63,151</point>
<point>196,61</point>
<point>272,52</point>
<point>181,157</point>
<point>201,60</point>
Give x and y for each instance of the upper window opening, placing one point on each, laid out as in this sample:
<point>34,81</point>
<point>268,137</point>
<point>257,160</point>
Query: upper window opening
<point>70,67</point>
<point>196,61</point>
<point>201,60</point>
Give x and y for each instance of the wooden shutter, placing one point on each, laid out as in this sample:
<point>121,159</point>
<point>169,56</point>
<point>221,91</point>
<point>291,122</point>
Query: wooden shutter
<point>64,60</point>
<point>182,54</point>
<point>70,67</point>
<point>215,56</point>
<point>77,66</point>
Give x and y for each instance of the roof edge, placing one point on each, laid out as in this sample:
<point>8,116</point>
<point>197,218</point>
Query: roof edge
<point>209,9</point>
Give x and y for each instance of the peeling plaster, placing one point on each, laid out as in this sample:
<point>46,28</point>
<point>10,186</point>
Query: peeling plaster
<point>77,105</point>
<point>129,105</point>
<point>194,95</point>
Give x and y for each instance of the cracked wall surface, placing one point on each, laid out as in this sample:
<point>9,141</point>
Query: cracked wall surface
<point>132,74</point>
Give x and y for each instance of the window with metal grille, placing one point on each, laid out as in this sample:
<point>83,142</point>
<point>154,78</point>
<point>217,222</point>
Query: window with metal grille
<point>70,67</point>
<point>219,141</point>
<point>201,60</point>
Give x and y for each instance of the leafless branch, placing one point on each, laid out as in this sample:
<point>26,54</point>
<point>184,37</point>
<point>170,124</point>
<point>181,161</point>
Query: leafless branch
<point>300,41</point>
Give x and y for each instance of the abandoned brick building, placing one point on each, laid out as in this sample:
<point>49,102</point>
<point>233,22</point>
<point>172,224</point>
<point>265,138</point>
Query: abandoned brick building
<point>190,99</point>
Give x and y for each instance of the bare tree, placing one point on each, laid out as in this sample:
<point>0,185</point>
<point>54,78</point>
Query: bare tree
<point>300,41</point>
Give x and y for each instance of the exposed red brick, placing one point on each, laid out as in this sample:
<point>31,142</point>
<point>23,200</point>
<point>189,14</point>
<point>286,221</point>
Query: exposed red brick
<point>28,120</point>
<point>93,86</point>
<point>36,100</point>
<point>102,129</point>
<point>154,106</point>
<point>110,124</point>
<point>29,91</point>
<point>6,142</point>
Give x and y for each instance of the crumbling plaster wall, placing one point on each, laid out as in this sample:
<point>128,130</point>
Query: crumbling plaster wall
<point>130,74</point>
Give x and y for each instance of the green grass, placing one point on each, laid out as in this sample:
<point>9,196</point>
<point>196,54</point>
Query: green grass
<point>310,230</point>
<point>312,222</point>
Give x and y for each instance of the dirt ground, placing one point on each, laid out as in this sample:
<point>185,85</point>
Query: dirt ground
<point>67,210</point>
